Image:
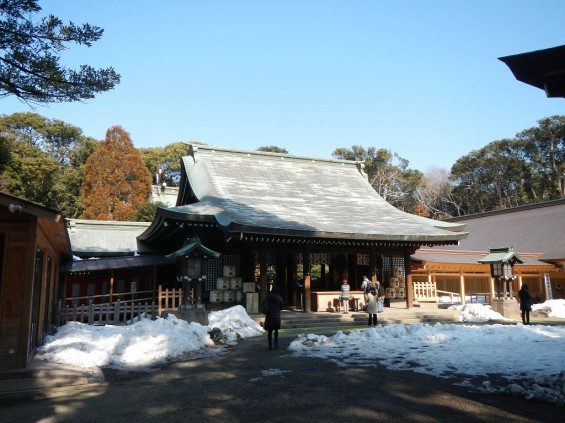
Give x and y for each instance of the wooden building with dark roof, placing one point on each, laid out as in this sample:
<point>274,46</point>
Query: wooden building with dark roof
<point>535,231</point>
<point>273,216</point>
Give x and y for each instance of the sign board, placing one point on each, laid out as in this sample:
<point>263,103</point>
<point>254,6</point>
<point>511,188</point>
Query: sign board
<point>547,282</point>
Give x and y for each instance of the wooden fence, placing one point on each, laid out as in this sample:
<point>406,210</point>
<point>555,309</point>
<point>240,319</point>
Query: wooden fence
<point>107,314</point>
<point>120,312</point>
<point>168,299</point>
<point>425,292</point>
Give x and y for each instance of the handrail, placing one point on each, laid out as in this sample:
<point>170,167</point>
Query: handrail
<point>472,296</point>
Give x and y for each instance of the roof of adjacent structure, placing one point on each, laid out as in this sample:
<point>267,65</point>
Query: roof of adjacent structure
<point>536,232</point>
<point>544,69</point>
<point>250,192</point>
<point>105,238</point>
<point>113,263</point>
<point>504,255</point>
<point>51,217</point>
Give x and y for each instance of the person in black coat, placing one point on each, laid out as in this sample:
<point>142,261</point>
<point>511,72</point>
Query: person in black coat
<point>525,303</point>
<point>274,304</point>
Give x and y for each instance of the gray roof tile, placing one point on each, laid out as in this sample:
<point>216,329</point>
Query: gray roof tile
<point>266,192</point>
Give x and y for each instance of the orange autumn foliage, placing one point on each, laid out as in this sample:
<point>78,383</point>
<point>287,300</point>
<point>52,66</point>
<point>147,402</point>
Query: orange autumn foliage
<point>116,180</point>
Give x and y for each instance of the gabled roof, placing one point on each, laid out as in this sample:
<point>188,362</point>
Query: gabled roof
<point>192,246</point>
<point>245,192</point>
<point>503,254</point>
<point>536,231</point>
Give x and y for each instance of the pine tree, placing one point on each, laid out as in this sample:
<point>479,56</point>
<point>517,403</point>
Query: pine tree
<point>116,180</point>
<point>30,67</point>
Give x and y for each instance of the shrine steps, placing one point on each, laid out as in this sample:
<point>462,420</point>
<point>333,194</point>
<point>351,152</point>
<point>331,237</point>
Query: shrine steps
<point>298,320</point>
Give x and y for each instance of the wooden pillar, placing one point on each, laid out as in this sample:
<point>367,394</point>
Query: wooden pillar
<point>324,276</point>
<point>373,265</point>
<point>155,283</point>
<point>492,290</point>
<point>281,277</point>
<point>110,299</point>
<point>408,277</point>
<point>462,287</point>
<point>263,276</point>
<point>306,274</point>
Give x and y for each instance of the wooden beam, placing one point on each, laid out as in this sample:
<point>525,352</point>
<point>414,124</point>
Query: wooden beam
<point>263,277</point>
<point>307,280</point>
<point>408,278</point>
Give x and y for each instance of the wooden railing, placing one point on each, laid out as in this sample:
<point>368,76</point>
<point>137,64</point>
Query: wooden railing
<point>117,313</point>
<point>451,295</point>
<point>455,297</point>
<point>123,297</point>
<point>425,292</point>
<point>168,299</point>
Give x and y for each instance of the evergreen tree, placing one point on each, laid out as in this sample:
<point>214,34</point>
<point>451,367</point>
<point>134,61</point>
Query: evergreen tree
<point>29,57</point>
<point>166,160</point>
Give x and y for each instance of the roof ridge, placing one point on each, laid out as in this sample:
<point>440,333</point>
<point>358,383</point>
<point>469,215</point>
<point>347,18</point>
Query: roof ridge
<point>195,148</point>
<point>543,204</point>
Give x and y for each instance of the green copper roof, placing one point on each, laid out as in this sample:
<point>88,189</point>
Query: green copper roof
<point>504,255</point>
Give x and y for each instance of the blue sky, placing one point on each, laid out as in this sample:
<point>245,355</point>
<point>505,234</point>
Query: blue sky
<point>421,78</point>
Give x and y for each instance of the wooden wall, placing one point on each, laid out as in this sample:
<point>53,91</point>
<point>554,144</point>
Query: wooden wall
<point>23,327</point>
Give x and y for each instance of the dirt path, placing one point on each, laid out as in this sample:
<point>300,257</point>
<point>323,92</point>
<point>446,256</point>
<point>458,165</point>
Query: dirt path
<point>251,384</point>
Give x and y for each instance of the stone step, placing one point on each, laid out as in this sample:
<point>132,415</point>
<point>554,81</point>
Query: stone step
<point>299,320</point>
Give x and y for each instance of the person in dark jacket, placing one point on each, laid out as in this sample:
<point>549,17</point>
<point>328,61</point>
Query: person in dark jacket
<point>525,303</point>
<point>272,323</point>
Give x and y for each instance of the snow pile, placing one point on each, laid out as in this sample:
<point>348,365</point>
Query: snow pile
<point>234,323</point>
<point>525,356</point>
<point>144,344</point>
<point>478,313</point>
<point>551,308</point>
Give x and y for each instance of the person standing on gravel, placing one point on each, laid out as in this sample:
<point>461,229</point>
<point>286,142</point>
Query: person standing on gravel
<point>274,304</point>
<point>366,286</point>
<point>525,303</point>
<point>344,296</point>
<point>380,297</point>
<point>372,306</point>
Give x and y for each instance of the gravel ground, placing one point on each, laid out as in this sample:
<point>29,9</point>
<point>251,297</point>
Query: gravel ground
<point>252,384</point>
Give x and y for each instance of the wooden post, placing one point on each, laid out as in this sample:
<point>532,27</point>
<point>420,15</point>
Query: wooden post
<point>159,300</point>
<point>408,278</point>
<point>90,312</point>
<point>307,280</point>
<point>117,312</point>
<point>58,317</point>
<point>154,282</point>
<point>110,299</point>
<point>492,291</point>
<point>373,266</point>
<point>263,277</point>
<point>462,287</point>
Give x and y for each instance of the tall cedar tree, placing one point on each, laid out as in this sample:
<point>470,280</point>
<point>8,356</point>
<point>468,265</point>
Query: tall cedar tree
<point>116,180</point>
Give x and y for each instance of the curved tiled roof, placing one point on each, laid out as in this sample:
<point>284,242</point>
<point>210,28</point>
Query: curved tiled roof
<point>268,193</point>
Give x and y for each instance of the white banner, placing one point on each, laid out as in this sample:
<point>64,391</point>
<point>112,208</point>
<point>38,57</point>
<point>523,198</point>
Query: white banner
<point>548,290</point>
